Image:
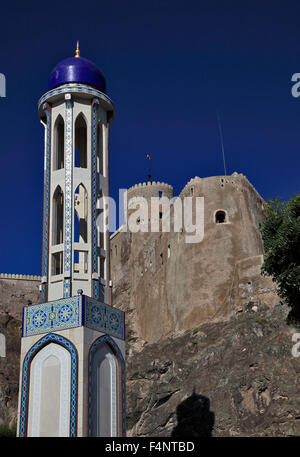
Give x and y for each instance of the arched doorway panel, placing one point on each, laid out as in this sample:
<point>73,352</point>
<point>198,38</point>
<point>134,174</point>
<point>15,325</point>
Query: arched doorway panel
<point>49,394</point>
<point>106,389</point>
<point>51,364</point>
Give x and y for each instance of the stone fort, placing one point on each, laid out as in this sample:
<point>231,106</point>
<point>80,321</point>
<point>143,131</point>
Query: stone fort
<point>167,285</point>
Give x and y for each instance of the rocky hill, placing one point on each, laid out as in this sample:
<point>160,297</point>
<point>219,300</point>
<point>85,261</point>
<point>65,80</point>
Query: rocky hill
<point>14,294</point>
<point>234,377</point>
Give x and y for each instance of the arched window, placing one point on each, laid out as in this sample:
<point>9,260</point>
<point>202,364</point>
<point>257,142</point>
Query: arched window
<point>100,148</point>
<point>58,217</point>
<point>80,214</point>
<point>80,229</point>
<point>59,143</point>
<point>80,142</point>
<point>100,219</point>
<point>220,217</point>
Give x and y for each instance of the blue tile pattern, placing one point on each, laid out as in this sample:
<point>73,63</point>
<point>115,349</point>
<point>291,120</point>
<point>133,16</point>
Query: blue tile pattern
<point>49,338</point>
<point>104,318</point>
<point>68,199</point>
<point>73,312</point>
<point>96,289</point>
<point>106,339</point>
<point>94,198</point>
<point>46,200</point>
<point>52,316</point>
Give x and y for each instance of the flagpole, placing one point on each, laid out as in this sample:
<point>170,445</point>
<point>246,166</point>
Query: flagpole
<point>149,174</point>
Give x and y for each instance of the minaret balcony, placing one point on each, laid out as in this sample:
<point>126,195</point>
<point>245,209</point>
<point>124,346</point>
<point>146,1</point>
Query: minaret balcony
<point>77,311</point>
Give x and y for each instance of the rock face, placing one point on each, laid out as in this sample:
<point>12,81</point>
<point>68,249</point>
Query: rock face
<point>232,378</point>
<point>14,294</point>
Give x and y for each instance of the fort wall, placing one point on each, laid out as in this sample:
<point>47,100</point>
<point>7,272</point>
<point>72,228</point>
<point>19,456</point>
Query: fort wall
<point>167,285</point>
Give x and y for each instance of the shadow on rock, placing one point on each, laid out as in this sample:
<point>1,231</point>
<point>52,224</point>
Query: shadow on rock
<point>194,419</point>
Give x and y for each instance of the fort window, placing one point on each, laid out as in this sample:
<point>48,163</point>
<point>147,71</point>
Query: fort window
<point>59,139</point>
<point>160,194</point>
<point>192,191</point>
<point>220,217</point>
<point>169,250</point>
<point>161,259</point>
<point>80,142</point>
<point>58,216</point>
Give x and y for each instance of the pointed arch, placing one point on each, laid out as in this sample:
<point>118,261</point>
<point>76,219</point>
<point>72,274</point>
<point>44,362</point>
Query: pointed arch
<point>106,388</point>
<point>80,141</point>
<point>59,143</point>
<point>80,214</point>
<point>80,228</point>
<point>33,351</point>
<point>58,216</point>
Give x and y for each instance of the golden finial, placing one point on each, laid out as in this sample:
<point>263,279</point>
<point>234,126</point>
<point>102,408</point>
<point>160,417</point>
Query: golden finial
<point>77,54</point>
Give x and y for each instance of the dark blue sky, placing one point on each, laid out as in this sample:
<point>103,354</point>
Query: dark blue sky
<point>169,66</point>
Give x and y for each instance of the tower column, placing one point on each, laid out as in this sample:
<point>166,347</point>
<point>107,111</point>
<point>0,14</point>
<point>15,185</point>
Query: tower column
<point>68,197</point>
<point>94,195</point>
<point>45,261</point>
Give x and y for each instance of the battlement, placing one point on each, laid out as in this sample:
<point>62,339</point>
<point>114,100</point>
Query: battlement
<point>150,184</point>
<point>20,276</point>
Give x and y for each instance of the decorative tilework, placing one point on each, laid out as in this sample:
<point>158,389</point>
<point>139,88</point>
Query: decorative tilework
<point>106,339</point>
<point>104,318</point>
<point>52,316</point>
<point>94,192</point>
<point>50,337</point>
<point>94,187</point>
<point>73,312</point>
<point>68,199</point>
<point>46,200</point>
<point>96,287</point>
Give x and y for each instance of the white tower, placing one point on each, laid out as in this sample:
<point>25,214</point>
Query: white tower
<point>72,379</point>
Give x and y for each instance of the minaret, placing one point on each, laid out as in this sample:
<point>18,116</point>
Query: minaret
<point>72,380</point>
<point>77,119</point>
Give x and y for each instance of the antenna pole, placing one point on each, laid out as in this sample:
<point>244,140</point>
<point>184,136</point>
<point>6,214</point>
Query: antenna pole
<point>222,143</point>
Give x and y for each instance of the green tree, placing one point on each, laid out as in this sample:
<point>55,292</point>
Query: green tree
<point>281,237</point>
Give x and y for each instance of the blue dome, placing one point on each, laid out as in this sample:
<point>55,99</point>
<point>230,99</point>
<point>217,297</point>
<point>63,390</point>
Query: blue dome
<point>77,70</point>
